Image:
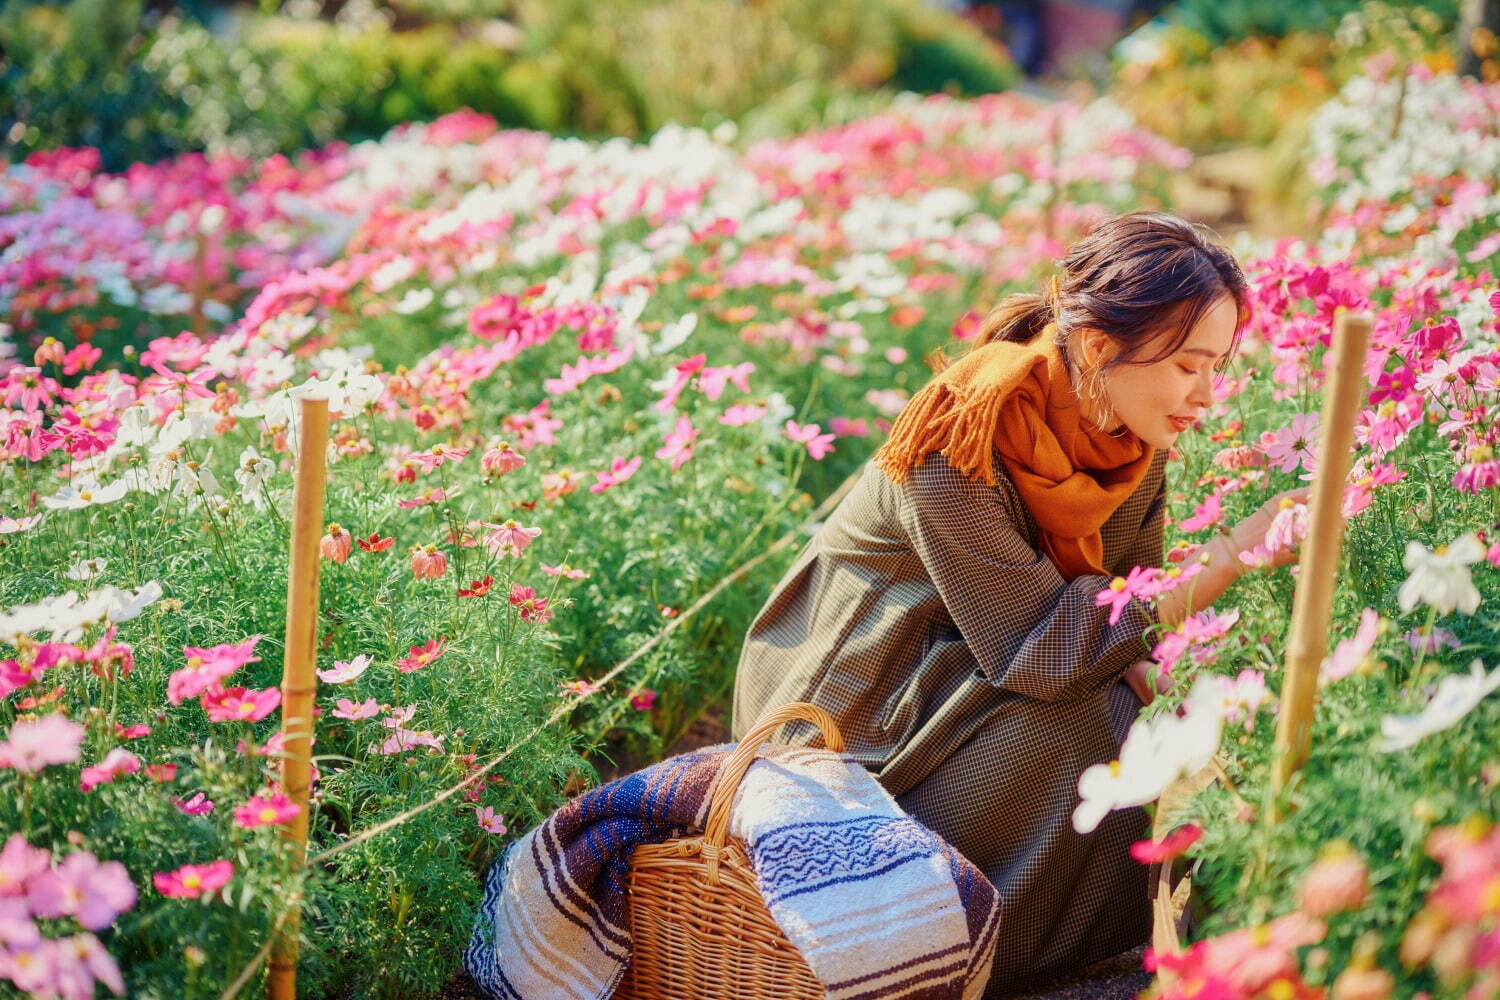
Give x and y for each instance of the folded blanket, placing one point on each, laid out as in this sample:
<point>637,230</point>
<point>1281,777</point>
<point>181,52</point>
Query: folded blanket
<point>878,905</point>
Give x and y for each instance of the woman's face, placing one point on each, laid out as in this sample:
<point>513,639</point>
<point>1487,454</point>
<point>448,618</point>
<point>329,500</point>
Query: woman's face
<point>1159,401</point>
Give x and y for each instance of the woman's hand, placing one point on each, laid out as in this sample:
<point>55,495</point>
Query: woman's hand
<point>1139,676</point>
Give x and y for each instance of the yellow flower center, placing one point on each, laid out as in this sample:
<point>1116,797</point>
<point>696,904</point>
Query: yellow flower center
<point>191,881</point>
<point>1117,584</point>
<point>87,495</point>
<point>1281,989</point>
<point>1388,409</point>
<point>268,815</point>
<point>1114,769</point>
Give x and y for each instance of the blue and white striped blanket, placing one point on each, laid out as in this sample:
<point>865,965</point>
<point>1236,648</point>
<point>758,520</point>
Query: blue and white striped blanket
<point>878,904</point>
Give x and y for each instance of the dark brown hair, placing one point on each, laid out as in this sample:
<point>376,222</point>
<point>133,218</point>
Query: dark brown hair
<point>1131,277</point>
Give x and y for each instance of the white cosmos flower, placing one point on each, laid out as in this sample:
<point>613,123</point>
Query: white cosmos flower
<point>253,473</point>
<point>674,334</point>
<point>86,569</point>
<point>1456,696</point>
<point>1441,579</point>
<point>343,672</point>
<point>413,301</point>
<point>128,604</point>
<point>1156,752</point>
<point>12,525</point>
<point>86,493</point>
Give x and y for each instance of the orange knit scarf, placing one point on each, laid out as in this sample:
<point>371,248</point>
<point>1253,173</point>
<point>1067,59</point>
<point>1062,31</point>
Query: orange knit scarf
<point>1018,398</point>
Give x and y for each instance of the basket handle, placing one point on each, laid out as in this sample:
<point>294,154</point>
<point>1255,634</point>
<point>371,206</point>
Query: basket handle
<point>728,781</point>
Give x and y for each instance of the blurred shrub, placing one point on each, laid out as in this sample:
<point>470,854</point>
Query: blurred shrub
<point>1221,21</point>
<point>73,75</point>
<point>1257,91</point>
<point>93,72</point>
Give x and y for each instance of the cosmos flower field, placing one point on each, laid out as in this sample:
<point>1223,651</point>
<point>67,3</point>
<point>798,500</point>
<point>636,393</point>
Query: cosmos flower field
<point>574,386</point>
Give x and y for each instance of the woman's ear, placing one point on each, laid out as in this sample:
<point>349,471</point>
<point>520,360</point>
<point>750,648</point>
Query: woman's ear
<point>1098,347</point>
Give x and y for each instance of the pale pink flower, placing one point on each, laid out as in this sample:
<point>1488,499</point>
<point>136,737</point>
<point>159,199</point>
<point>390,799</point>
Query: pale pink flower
<point>1351,653</point>
<point>19,863</point>
<point>1204,515</point>
<point>31,746</point>
<point>115,763</point>
<point>501,458</point>
<point>682,373</point>
<point>509,537</point>
<point>343,672</point>
<point>1337,881</point>
<point>1293,445</point>
<point>489,820</point>
<point>563,569</point>
<point>741,414</point>
<point>1242,696</point>
<point>353,711</point>
<point>581,688</point>
<point>619,471</point>
<point>818,443</point>
<point>84,888</point>
<point>711,381</point>
<point>678,443</point>
<point>428,562</point>
<point>336,544</point>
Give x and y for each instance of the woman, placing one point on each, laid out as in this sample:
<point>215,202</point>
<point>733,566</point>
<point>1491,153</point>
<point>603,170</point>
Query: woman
<point>945,616</point>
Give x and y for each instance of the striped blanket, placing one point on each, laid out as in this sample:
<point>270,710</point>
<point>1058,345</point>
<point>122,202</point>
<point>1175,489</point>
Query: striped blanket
<point>878,905</point>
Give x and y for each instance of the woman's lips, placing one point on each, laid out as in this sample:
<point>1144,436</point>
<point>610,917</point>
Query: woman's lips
<point>1181,423</point>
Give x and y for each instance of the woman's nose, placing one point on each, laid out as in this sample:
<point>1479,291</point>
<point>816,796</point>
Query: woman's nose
<point>1203,391</point>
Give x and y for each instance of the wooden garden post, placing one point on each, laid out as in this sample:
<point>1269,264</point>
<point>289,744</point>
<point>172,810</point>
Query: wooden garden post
<point>298,681</point>
<point>1308,643</point>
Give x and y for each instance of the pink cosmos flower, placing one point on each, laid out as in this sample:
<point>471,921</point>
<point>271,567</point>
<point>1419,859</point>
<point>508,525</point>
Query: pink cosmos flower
<point>134,732</point>
<point>31,746</point>
<point>1149,852</point>
<point>683,372</point>
<point>193,881</point>
<point>619,471</point>
<point>1204,515</point>
<point>82,887</point>
<point>198,805</point>
<point>509,538</point>
<point>269,810</point>
<point>563,569</point>
<point>678,443</point>
<point>428,562</point>
<point>436,494</point>
<point>343,672</point>
<point>489,820</point>
<point>439,455</point>
<point>501,458</point>
<point>407,739</point>
<point>1420,639</point>
<point>579,687</point>
<point>711,381</point>
<point>818,443</point>
<point>162,772</point>
<point>644,700</point>
<point>1293,445</point>
<point>530,606</point>
<point>115,763</point>
<point>207,667</point>
<point>1337,881</point>
<point>741,414</point>
<point>238,704</point>
<point>336,544</point>
<point>1242,696</point>
<point>352,711</point>
<point>1351,653</point>
<point>423,655</point>
<point>19,864</point>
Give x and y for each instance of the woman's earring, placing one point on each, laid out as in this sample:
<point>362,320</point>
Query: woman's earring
<point>1098,395</point>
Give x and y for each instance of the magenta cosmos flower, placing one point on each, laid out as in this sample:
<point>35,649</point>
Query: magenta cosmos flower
<point>266,810</point>
<point>193,881</point>
<point>239,704</point>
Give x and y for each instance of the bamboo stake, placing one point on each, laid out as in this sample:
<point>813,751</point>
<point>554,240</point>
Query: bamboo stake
<point>1313,601</point>
<point>298,682</point>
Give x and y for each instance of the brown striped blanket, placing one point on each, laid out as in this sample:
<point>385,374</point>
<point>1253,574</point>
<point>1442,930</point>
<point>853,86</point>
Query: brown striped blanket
<point>878,904</point>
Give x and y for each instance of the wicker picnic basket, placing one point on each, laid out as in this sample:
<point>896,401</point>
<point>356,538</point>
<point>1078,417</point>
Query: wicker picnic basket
<point>698,925</point>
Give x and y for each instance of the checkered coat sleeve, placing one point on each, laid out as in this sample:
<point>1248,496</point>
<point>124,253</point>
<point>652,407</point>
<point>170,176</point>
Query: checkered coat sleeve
<point>977,685</point>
